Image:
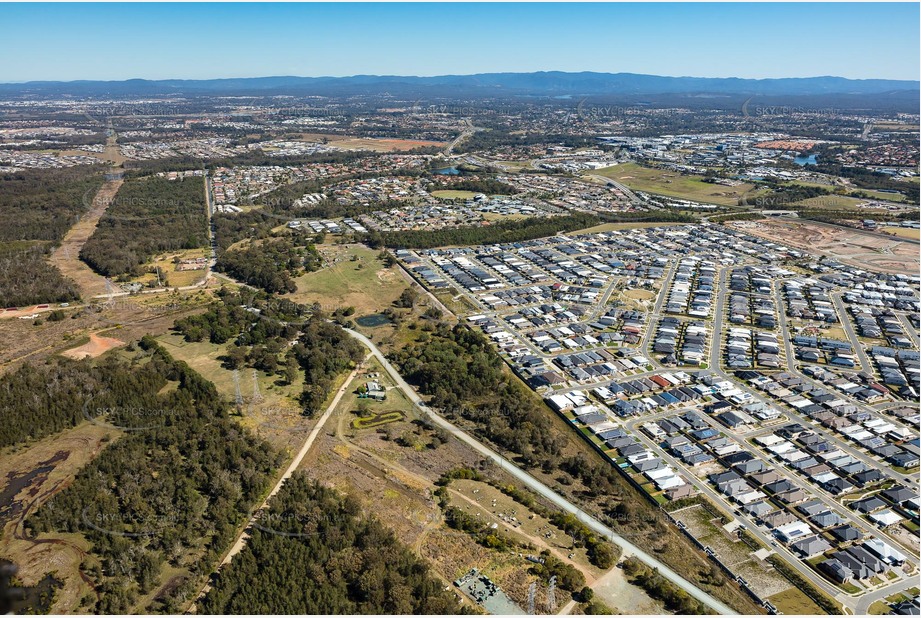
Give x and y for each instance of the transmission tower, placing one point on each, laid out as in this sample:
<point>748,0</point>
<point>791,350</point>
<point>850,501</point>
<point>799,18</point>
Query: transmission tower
<point>532,592</point>
<point>551,596</point>
<point>239,393</point>
<point>257,396</point>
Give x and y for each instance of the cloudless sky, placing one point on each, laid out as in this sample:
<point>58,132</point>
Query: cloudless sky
<point>199,41</point>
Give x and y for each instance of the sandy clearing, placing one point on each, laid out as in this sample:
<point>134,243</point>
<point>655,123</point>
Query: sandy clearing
<point>96,346</point>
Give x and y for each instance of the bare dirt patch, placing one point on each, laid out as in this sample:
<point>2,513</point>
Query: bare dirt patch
<point>96,346</point>
<point>854,247</point>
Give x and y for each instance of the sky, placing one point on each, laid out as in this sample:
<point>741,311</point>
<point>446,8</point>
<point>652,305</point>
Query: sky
<point>212,40</point>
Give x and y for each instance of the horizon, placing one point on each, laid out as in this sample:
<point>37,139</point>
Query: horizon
<point>198,41</point>
<point>400,76</point>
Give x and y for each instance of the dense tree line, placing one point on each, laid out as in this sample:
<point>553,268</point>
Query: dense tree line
<point>44,204</point>
<point>148,216</point>
<point>27,278</point>
<point>173,491</point>
<point>485,140</point>
<point>489,186</point>
<point>504,231</point>
<point>270,265</point>
<point>479,530</point>
<point>253,157</point>
<point>567,576</point>
<point>317,554</point>
<point>783,197</point>
<point>39,400</point>
<point>601,553</point>
<point>37,207</point>
<point>323,351</point>
<point>464,375</point>
<point>234,317</point>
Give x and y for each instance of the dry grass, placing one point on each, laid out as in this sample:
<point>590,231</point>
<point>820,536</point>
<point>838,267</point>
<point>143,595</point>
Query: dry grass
<point>53,462</point>
<point>903,232</point>
<point>674,184</point>
<point>67,256</point>
<point>364,283</point>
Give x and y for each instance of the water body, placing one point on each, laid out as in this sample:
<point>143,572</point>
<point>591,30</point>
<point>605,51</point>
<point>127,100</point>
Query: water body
<point>447,171</point>
<point>370,321</point>
<point>801,160</point>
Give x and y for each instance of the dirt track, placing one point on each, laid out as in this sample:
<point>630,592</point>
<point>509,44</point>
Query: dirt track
<point>67,256</point>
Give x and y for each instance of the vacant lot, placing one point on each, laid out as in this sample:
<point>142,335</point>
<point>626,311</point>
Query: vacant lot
<point>851,246</point>
<point>834,202</point>
<point>96,346</point>
<point>353,278</point>
<point>740,558</point>
<point>611,227</point>
<point>673,184</point>
<point>369,143</point>
<point>453,195</point>
<point>171,273</point>
<point>903,232</point>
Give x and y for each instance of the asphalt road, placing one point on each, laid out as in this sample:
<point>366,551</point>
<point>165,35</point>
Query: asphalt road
<point>542,489</point>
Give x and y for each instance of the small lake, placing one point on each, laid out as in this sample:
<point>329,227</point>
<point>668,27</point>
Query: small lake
<point>801,160</point>
<point>447,171</point>
<point>370,321</point>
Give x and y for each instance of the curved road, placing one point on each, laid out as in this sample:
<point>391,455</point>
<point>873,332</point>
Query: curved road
<point>542,489</point>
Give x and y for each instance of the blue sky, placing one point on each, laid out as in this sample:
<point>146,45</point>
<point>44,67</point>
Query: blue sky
<point>195,41</point>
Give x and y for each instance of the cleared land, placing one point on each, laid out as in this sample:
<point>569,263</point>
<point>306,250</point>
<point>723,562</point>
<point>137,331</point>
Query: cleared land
<point>673,184</point>
<point>96,346</point>
<point>453,195</point>
<point>268,407</point>
<point>173,274</point>
<point>836,202</point>
<point>67,256</point>
<point>363,283</point>
<point>391,470</point>
<point>762,577</point>
<point>861,249</point>
<point>903,232</point>
<point>368,143</point>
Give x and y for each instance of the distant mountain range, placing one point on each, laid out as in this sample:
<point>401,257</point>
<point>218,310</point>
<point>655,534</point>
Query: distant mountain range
<point>542,84</point>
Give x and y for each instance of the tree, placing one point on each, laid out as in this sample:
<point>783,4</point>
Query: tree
<point>291,369</point>
<point>407,299</point>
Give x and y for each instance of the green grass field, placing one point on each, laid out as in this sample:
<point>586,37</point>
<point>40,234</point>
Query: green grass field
<point>673,184</point>
<point>363,283</point>
<point>453,195</point>
<point>836,202</point>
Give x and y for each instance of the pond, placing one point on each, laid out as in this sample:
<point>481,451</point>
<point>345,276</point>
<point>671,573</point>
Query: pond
<point>447,171</point>
<point>802,160</point>
<point>370,321</point>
